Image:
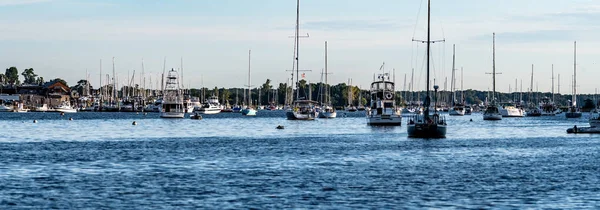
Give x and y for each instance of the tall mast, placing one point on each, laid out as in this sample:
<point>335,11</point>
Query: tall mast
<point>494,69</point>
<point>114,80</point>
<point>531,84</point>
<point>462,92</point>
<point>326,84</point>
<point>575,74</point>
<point>453,82</point>
<point>553,82</point>
<point>99,89</point>
<point>297,38</point>
<point>427,99</point>
<point>249,98</point>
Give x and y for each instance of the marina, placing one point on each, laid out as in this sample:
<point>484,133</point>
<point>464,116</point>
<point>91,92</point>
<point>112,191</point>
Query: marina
<point>245,128</point>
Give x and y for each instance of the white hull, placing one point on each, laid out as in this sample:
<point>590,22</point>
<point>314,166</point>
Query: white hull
<point>208,111</point>
<point>325,114</point>
<point>66,110</point>
<point>172,114</point>
<point>4,108</point>
<point>512,112</point>
<point>384,120</point>
<point>454,112</point>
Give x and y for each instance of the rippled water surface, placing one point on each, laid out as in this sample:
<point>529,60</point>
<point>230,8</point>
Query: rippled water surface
<point>101,160</point>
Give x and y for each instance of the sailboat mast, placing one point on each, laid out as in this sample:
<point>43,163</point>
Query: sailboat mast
<point>453,82</point>
<point>249,95</point>
<point>462,92</point>
<point>552,82</point>
<point>427,99</point>
<point>99,89</point>
<point>494,68</point>
<point>326,83</point>
<point>575,74</point>
<point>297,38</point>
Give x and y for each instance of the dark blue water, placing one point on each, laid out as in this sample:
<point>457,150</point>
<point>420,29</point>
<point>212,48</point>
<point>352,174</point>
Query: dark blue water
<point>100,160</point>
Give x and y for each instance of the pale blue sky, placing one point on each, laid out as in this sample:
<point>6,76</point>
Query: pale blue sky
<point>63,38</point>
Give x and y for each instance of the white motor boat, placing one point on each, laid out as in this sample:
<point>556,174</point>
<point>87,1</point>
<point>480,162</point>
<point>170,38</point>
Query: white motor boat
<point>212,106</point>
<point>21,108</point>
<point>509,110</point>
<point>172,103</point>
<point>42,108</point>
<point>457,110</point>
<point>383,106</point>
<point>65,107</point>
<point>327,112</point>
<point>6,108</point>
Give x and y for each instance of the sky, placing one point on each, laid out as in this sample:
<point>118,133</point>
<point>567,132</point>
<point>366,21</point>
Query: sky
<point>67,38</point>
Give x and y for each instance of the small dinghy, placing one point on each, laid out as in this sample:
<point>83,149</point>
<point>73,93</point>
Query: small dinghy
<point>196,117</point>
<point>575,129</point>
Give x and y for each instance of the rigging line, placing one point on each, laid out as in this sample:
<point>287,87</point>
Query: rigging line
<point>417,21</point>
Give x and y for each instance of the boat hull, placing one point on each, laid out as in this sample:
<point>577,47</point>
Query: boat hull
<point>454,112</point>
<point>66,110</point>
<point>384,120</point>
<point>208,111</point>
<point>492,116</point>
<point>172,115</point>
<point>584,130</point>
<point>249,112</point>
<point>325,114</point>
<point>426,131</point>
<point>299,116</point>
<point>573,114</point>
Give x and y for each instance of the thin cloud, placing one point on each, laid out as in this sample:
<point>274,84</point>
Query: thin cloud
<point>20,2</point>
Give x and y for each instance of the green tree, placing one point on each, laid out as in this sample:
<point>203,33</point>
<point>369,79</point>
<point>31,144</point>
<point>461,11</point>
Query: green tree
<point>40,81</point>
<point>29,76</point>
<point>12,75</point>
<point>60,80</point>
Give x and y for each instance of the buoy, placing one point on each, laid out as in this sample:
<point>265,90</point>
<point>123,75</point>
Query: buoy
<point>471,120</point>
<point>62,114</point>
<point>280,127</point>
<point>34,121</point>
<point>145,113</point>
<point>70,118</point>
<point>134,123</point>
<point>137,113</point>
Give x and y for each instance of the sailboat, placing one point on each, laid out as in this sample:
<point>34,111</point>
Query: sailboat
<point>350,107</point>
<point>249,110</point>
<point>458,109</point>
<point>573,111</point>
<point>172,104</point>
<point>327,111</point>
<point>426,125</point>
<point>302,109</point>
<point>533,110</point>
<point>491,111</point>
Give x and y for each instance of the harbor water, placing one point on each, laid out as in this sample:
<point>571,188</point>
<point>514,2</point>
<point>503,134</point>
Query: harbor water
<point>225,161</point>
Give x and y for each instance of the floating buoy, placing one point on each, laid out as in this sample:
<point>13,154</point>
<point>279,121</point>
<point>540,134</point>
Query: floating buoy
<point>137,113</point>
<point>471,120</point>
<point>70,118</point>
<point>134,123</point>
<point>145,113</point>
<point>280,127</point>
<point>62,114</point>
<point>34,121</point>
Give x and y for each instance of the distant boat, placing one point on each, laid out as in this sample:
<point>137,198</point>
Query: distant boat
<point>458,108</point>
<point>6,108</point>
<point>327,111</point>
<point>249,110</point>
<point>65,107</point>
<point>510,110</point>
<point>172,103</point>
<point>574,111</point>
<point>211,106</point>
<point>383,105</point>
<point>492,112</point>
<point>426,125</point>
<point>301,109</point>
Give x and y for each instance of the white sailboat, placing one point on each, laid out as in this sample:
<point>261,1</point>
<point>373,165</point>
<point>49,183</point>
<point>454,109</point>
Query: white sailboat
<point>458,108</point>
<point>426,125</point>
<point>492,111</point>
<point>172,103</point>
<point>573,111</point>
<point>249,110</point>
<point>327,111</point>
<point>302,109</point>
